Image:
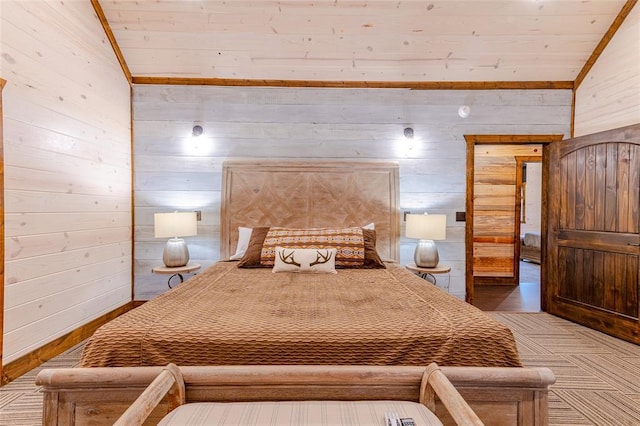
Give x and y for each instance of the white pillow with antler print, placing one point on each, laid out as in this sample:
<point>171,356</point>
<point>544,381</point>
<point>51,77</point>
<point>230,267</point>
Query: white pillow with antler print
<point>305,260</point>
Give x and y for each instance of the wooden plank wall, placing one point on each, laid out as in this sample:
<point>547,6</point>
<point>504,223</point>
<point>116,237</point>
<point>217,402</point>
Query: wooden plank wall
<point>609,96</point>
<point>175,172</point>
<point>495,208</point>
<point>67,173</point>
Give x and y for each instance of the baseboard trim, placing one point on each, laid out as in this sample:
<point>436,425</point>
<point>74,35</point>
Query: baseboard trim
<point>28,362</point>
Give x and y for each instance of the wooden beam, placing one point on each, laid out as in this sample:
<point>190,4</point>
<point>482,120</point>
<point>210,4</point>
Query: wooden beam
<point>511,139</point>
<point>28,362</point>
<point>468,231</point>
<point>413,85</point>
<point>615,25</point>
<point>132,175</point>
<point>112,39</point>
<point>2,83</point>
<point>573,114</point>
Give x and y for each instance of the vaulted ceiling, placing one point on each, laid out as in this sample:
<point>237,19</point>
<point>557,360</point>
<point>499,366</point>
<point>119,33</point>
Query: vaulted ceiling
<point>358,40</point>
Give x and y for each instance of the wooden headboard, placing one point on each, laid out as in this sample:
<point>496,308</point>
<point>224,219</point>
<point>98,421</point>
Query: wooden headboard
<point>305,194</point>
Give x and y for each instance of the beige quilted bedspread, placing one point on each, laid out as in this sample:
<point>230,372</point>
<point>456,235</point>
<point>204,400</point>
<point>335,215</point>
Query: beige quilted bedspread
<point>227,315</point>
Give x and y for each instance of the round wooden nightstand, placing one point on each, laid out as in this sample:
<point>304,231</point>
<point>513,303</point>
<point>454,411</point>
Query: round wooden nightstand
<point>431,272</point>
<point>176,271</point>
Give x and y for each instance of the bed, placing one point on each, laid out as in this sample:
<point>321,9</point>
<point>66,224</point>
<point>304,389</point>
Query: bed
<point>229,318</point>
<point>236,316</point>
<point>232,316</point>
<point>530,244</point>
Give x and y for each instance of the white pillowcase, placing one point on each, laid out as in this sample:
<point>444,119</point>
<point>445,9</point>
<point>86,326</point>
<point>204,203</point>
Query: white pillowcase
<point>244,236</point>
<point>302,260</point>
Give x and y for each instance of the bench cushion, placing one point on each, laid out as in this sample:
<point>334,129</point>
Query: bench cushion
<point>301,413</point>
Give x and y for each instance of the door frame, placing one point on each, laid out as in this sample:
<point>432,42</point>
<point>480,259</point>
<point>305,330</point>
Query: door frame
<point>472,141</point>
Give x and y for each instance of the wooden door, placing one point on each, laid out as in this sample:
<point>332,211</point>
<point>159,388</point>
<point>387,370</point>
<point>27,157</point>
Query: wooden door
<point>594,233</point>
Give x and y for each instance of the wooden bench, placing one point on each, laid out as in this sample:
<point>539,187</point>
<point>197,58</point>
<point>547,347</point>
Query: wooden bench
<point>170,382</point>
<point>99,396</point>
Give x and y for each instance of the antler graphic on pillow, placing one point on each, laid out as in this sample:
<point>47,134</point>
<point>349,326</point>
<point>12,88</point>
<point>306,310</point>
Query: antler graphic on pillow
<point>288,258</point>
<point>325,258</point>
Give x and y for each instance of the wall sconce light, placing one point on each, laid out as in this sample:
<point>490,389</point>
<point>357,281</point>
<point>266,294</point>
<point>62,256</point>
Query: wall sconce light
<point>464,111</point>
<point>196,131</point>
<point>408,133</point>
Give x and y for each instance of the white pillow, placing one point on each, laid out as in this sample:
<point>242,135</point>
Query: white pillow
<point>244,236</point>
<point>370,226</point>
<point>302,260</point>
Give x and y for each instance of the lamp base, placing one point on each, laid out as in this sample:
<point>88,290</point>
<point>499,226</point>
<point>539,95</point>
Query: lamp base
<point>426,254</point>
<point>175,253</point>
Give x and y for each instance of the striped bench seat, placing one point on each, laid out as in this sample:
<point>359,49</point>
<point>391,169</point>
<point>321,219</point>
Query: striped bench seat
<point>300,413</point>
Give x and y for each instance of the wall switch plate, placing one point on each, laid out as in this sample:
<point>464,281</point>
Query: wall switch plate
<point>461,216</point>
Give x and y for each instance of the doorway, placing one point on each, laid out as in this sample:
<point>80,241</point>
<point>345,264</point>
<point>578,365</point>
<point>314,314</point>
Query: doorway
<point>491,238</point>
<point>525,295</point>
<point>528,221</point>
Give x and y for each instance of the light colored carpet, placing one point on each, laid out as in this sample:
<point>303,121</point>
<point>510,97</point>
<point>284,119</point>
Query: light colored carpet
<point>21,400</point>
<point>598,376</point>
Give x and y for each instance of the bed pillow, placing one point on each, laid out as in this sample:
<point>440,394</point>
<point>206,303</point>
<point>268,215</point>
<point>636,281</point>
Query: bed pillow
<point>252,257</point>
<point>305,260</point>
<point>372,259</point>
<point>349,243</point>
<point>244,236</point>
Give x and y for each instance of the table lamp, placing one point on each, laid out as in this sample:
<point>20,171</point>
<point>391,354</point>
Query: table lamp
<point>426,228</point>
<point>175,225</point>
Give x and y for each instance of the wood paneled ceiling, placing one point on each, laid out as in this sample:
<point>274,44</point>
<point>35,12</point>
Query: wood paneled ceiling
<point>350,40</point>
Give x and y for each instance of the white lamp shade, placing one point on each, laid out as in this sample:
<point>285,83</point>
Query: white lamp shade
<point>177,224</point>
<point>426,226</point>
